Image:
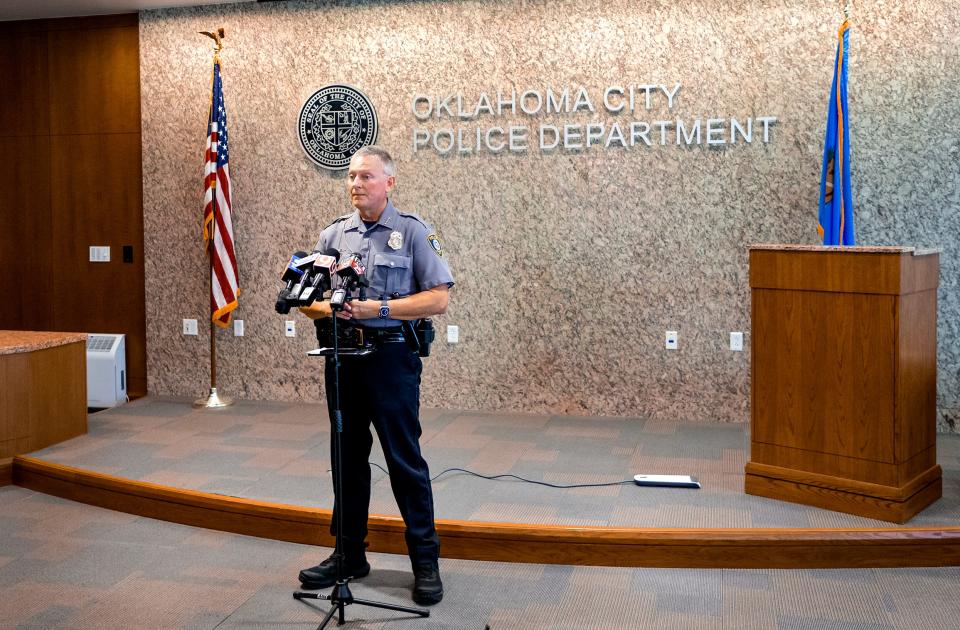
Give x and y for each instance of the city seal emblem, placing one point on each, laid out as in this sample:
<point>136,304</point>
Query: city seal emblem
<point>334,123</point>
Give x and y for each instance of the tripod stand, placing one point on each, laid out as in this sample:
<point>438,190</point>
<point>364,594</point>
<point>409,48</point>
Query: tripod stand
<point>340,596</point>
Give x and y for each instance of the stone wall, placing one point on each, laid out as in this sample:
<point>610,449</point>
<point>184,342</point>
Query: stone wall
<point>570,263</point>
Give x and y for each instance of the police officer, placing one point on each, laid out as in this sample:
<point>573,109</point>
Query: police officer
<point>409,280</point>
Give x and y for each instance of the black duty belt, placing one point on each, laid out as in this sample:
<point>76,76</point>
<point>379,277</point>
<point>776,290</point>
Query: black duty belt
<point>392,334</point>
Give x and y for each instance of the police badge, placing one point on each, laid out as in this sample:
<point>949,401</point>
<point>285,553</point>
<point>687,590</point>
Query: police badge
<point>396,240</point>
<point>435,244</point>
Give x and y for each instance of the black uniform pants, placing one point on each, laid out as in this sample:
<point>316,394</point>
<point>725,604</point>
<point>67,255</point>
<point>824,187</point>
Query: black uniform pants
<point>383,388</point>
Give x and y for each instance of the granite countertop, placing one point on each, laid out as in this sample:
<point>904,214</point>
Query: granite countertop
<point>861,249</point>
<point>15,341</point>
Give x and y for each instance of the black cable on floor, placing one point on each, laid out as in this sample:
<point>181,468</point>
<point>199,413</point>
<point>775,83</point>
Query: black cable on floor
<point>505,476</point>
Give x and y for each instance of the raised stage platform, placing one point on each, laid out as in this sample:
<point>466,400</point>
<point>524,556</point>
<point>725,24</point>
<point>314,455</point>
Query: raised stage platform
<point>260,468</point>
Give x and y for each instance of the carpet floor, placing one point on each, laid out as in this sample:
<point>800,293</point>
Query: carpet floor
<point>279,452</point>
<point>74,566</point>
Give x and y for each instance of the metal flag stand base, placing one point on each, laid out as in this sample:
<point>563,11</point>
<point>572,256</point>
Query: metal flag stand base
<point>213,401</point>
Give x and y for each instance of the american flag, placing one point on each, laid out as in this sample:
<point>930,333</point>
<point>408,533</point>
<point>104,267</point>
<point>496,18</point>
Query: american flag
<point>224,286</point>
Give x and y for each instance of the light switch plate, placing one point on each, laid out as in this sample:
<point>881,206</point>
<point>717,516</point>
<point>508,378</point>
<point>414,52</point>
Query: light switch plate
<point>736,341</point>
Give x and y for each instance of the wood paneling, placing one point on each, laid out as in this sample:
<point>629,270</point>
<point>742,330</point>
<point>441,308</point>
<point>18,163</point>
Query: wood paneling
<point>6,471</point>
<point>15,384</point>
<point>895,474</point>
<point>26,232</point>
<point>69,23</point>
<point>844,380</point>
<point>90,171</point>
<point>24,102</point>
<point>93,171</point>
<point>94,80</point>
<point>917,378</point>
<point>508,542</point>
<point>58,410</point>
<point>826,270</point>
<point>885,492</point>
<point>44,398</point>
<point>809,346</point>
<point>70,144</point>
<point>868,505</point>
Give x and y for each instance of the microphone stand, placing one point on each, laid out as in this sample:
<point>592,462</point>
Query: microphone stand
<point>341,596</point>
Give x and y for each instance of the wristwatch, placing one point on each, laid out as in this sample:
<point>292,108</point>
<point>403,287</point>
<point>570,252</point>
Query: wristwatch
<point>384,310</point>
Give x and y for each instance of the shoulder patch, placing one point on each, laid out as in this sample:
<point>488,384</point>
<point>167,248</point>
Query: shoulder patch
<point>435,243</point>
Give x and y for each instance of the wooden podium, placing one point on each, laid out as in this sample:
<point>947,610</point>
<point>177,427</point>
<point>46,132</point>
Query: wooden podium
<point>844,378</point>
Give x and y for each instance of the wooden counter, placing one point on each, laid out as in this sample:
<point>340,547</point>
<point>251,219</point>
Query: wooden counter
<point>43,391</point>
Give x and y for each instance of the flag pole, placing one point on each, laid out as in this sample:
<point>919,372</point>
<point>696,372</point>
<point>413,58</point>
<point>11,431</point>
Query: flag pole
<point>213,399</point>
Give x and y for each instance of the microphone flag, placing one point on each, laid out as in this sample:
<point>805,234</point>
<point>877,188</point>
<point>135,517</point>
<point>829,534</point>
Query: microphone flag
<point>218,210</point>
<point>835,225</point>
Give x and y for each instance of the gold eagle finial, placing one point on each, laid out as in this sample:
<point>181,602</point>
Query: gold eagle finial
<point>217,37</point>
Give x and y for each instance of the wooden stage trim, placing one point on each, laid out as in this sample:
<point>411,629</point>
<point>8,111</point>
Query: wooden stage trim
<point>6,471</point>
<point>508,542</point>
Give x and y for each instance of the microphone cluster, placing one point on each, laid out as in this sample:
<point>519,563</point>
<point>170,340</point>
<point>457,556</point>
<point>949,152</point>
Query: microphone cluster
<point>307,278</point>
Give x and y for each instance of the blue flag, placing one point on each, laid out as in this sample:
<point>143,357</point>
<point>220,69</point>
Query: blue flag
<point>836,198</point>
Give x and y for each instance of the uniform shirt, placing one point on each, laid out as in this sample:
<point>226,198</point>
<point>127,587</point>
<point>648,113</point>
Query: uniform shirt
<point>401,253</point>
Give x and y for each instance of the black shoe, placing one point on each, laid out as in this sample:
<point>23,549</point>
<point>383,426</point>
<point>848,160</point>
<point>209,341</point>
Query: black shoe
<point>325,573</point>
<point>427,587</point>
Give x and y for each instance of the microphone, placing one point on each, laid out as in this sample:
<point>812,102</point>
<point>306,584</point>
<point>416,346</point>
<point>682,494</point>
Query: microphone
<point>322,272</point>
<point>291,274</point>
<point>351,272</point>
<point>304,265</point>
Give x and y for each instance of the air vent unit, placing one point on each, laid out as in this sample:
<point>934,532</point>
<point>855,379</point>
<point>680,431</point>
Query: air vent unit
<point>106,370</point>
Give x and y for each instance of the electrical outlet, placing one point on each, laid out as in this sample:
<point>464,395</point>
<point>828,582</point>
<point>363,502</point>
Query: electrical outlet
<point>453,334</point>
<point>736,341</point>
<point>238,328</point>
<point>671,340</point>
<point>290,328</point>
<point>190,327</point>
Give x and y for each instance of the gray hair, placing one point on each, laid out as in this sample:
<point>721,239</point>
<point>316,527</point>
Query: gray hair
<point>389,167</point>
